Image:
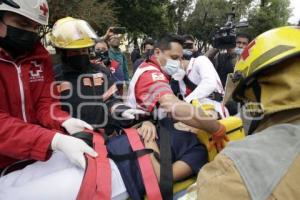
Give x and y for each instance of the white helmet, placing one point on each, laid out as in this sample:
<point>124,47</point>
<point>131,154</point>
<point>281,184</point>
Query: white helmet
<point>36,10</point>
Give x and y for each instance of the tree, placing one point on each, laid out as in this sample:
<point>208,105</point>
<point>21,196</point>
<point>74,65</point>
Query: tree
<point>269,14</point>
<point>148,17</point>
<point>181,9</point>
<point>208,13</point>
<point>99,13</point>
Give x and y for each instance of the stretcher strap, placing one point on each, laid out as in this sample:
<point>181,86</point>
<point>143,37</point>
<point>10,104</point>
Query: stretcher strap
<point>166,170</point>
<point>104,170</point>
<point>96,183</point>
<point>130,156</point>
<point>147,171</point>
<point>88,185</point>
<point>192,86</point>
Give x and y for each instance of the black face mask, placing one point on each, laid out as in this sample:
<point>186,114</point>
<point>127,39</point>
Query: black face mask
<point>196,54</point>
<point>103,56</point>
<point>148,54</point>
<point>18,42</point>
<point>79,62</point>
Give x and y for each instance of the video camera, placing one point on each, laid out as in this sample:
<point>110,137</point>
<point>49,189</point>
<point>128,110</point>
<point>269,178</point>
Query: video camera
<point>224,37</point>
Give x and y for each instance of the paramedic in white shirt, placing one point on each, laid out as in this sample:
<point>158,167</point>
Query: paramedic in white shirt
<point>198,80</point>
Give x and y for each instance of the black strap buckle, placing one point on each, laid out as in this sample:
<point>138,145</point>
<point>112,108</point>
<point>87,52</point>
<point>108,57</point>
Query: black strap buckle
<point>216,96</point>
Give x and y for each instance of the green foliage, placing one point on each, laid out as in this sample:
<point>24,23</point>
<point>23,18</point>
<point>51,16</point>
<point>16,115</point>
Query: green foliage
<point>147,17</point>
<point>156,17</point>
<point>99,14</point>
<point>181,9</point>
<point>262,16</point>
<point>209,13</point>
<point>270,14</point>
<point>141,18</point>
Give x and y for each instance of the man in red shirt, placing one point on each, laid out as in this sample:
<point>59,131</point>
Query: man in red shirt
<point>149,90</point>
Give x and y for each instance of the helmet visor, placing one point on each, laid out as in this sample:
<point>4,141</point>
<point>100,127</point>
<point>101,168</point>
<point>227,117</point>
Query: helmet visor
<point>71,31</point>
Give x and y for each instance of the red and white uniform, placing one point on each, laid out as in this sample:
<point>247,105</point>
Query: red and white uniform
<point>148,84</point>
<point>27,128</point>
<point>26,107</point>
<point>202,73</point>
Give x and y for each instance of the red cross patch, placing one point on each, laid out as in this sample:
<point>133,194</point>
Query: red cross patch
<point>36,72</point>
<point>36,69</point>
<point>44,9</point>
<point>246,52</point>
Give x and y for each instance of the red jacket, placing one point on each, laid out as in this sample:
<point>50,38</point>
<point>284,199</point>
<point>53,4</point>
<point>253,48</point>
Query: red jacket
<point>25,107</point>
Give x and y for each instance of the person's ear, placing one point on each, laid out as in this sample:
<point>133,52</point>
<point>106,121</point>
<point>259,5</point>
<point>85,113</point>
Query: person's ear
<point>156,51</point>
<point>3,29</point>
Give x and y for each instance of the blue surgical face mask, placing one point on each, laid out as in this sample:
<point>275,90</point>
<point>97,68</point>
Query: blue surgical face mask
<point>187,52</point>
<point>238,50</point>
<point>172,66</point>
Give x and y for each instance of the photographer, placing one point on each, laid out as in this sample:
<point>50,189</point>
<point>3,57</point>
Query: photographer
<point>101,53</point>
<point>224,60</point>
<point>120,68</point>
<point>198,80</point>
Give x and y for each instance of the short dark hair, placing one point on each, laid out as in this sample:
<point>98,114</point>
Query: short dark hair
<point>147,41</point>
<point>165,41</point>
<point>188,37</point>
<point>243,35</point>
<point>99,40</point>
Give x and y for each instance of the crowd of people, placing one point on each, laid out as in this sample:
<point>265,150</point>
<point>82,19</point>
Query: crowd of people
<point>51,116</point>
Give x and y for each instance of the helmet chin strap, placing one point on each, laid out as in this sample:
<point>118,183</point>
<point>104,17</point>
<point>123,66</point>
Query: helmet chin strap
<point>10,3</point>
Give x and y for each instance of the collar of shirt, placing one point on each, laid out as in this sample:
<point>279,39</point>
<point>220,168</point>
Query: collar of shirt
<point>190,66</point>
<point>154,62</point>
<point>4,54</point>
<point>37,52</point>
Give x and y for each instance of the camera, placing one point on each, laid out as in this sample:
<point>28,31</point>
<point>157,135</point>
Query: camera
<point>103,56</point>
<point>225,36</point>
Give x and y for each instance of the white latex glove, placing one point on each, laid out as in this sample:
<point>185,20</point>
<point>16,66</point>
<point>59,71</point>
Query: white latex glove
<point>73,148</point>
<point>74,125</point>
<point>130,113</point>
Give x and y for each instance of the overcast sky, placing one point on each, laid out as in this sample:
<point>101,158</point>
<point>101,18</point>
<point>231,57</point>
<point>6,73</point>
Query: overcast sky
<point>295,4</point>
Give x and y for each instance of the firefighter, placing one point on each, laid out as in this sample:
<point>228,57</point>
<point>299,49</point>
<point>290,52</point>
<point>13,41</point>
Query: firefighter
<point>265,165</point>
<point>87,90</point>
